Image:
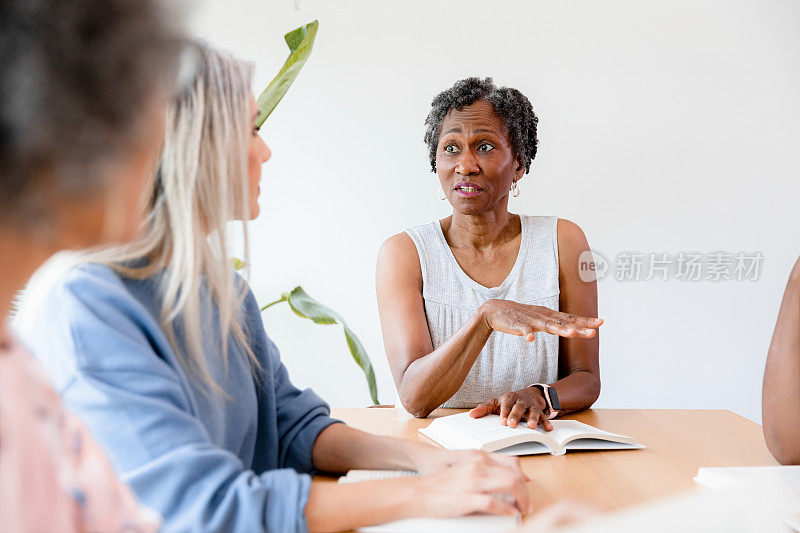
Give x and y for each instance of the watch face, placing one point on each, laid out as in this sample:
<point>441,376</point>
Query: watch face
<point>554,398</point>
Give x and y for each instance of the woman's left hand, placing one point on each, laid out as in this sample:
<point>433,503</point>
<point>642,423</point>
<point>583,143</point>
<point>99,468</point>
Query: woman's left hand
<point>515,406</point>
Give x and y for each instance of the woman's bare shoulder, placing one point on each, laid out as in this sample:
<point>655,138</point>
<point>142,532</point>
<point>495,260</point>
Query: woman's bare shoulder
<point>398,258</point>
<point>569,231</point>
<point>571,244</point>
<point>570,236</point>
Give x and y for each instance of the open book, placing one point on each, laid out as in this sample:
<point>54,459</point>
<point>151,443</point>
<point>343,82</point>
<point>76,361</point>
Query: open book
<point>462,432</point>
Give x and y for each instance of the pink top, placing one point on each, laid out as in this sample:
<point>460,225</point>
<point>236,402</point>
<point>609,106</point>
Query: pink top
<point>53,475</point>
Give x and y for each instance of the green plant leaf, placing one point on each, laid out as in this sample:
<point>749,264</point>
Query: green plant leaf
<point>301,42</point>
<point>305,306</point>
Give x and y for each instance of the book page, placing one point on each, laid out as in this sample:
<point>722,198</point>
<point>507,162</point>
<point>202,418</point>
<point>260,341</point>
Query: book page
<point>565,430</point>
<point>489,429</point>
<point>461,431</point>
<point>485,430</point>
<point>599,444</point>
<point>525,448</point>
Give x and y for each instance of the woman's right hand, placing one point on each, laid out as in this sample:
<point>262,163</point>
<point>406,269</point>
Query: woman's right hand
<point>525,320</point>
<point>461,483</point>
<point>479,483</point>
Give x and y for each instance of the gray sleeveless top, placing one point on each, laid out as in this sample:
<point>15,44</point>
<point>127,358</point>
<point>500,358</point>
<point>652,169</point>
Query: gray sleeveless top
<point>507,362</point>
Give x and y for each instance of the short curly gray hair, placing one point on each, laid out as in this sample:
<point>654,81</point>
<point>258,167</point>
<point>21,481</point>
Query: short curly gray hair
<point>75,76</point>
<point>510,105</point>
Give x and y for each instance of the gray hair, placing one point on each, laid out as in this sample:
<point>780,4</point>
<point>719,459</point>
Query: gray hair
<point>74,78</point>
<point>510,105</point>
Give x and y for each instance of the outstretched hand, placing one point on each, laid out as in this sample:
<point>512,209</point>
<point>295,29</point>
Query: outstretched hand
<point>513,407</point>
<point>526,320</point>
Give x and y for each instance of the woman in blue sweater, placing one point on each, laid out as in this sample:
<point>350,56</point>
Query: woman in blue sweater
<point>160,348</point>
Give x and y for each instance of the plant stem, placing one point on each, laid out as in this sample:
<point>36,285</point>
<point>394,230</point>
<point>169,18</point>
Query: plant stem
<point>282,299</point>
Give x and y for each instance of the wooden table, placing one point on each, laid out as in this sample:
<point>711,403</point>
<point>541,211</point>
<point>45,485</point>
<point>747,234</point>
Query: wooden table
<point>678,443</point>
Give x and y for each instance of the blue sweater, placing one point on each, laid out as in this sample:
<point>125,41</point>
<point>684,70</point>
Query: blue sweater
<point>205,462</point>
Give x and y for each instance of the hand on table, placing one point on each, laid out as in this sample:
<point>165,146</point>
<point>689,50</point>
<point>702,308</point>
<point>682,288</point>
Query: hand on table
<point>464,482</point>
<point>525,320</point>
<point>513,407</point>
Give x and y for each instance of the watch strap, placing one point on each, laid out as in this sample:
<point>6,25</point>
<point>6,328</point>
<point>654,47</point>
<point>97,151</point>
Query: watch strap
<point>545,388</point>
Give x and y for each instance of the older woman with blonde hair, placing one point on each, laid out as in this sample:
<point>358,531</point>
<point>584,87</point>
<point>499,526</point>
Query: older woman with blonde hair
<point>160,347</point>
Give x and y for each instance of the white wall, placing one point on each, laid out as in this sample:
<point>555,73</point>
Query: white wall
<point>664,127</point>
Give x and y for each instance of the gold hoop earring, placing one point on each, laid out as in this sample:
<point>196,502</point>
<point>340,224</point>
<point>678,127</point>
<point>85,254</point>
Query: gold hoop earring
<point>515,189</point>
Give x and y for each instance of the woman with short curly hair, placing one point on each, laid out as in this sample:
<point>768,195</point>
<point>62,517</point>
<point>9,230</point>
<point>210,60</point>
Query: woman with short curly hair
<point>445,287</point>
